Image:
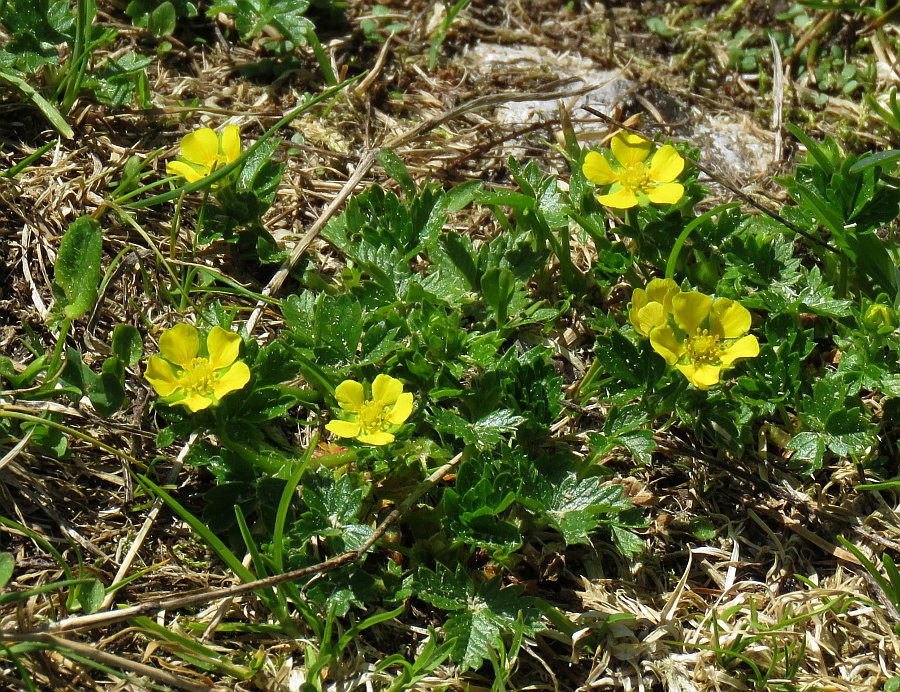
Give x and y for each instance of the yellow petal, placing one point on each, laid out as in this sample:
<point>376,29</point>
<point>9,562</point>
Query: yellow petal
<point>729,319</point>
<point>349,395</point>
<point>195,403</point>
<point>701,376</point>
<point>666,344</point>
<point>402,409</point>
<point>662,291</point>
<point>691,308</point>
<point>597,169</point>
<point>666,193</point>
<point>386,389</point>
<point>186,171</point>
<point>160,376</point>
<point>666,165</point>
<point>621,198</point>
<point>377,438</point>
<point>223,347</point>
<point>201,147</point>
<point>649,317</point>
<point>343,428</point>
<point>629,149</point>
<point>236,377</point>
<point>747,347</point>
<point>180,344</point>
<point>231,143</point>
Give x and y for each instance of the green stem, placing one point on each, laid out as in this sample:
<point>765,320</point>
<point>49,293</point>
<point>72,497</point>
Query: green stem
<point>683,236</point>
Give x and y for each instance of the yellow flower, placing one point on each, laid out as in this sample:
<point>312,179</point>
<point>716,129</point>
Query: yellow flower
<point>634,180</point>
<point>369,420</point>
<point>711,335</point>
<point>183,377</point>
<point>651,307</point>
<point>204,152</point>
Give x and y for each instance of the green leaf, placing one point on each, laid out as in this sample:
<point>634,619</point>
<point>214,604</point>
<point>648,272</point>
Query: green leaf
<point>809,449</point>
<point>333,507</point>
<point>77,272</point>
<point>162,20</point>
<point>90,595</point>
<point>7,565</point>
<point>572,506</point>
<point>395,168</point>
<point>127,344</point>
<point>849,432</point>
<point>480,617</point>
<point>498,287</point>
<point>484,432</point>
<point>444,589</point>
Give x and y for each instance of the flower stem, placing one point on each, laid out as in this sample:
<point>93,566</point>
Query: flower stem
<point>683,236</point>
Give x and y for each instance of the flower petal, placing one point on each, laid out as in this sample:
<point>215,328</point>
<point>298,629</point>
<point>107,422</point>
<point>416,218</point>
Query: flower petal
<point>180,344</point>
<point>377,438</point>
<point>629,149</point>
<point>223,347</point>
<point>597,169</point>
<point>402,409</point>
<point>619,198</point>
<point>746,347</point>
<point>729,319</point>
<point>160,376</point>
<point>343,428</point>
<point>666,344</point>
<point>701,376</point>
<point>231,143</point>
<point>349,395</point>
<point>648,318</point>
<point>194,402</point>
<point>662,291</point>
<point>386,389</point>
<point>666,165</point>
<point>185,170</point>
<point>201,147</point>
<point>236,377</point>
<point>666,193</point>
<point>691,308</point>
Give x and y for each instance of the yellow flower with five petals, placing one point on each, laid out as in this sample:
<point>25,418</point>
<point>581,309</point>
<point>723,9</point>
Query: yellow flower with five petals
<point>634,180</point>
<point>374,420</point>
<point>203,152</point>
<point>184,377</point>
<point>711,334</point>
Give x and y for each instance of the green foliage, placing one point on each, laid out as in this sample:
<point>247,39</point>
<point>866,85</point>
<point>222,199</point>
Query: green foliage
<point>479,614</point>
<point>37,28</point>
<point>77,270</point>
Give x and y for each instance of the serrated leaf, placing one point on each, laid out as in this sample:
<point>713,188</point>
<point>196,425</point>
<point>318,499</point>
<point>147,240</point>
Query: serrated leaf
<point>77,270</point>
<point>573,505</point>
<point>444,589</point>
<point>849,433</point>
<point>809,449</point>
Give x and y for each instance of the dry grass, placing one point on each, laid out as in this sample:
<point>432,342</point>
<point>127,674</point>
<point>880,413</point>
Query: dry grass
<point>691,601</point>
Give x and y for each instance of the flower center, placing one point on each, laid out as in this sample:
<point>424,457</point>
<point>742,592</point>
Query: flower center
<point>372,416</point>
<point>634,176</point>
<point>703,348</point>
<point>198,378</point>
